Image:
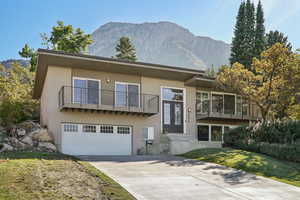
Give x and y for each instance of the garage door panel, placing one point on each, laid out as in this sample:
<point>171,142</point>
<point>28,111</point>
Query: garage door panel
<point>82,143</point>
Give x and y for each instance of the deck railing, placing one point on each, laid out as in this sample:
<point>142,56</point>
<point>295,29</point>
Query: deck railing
<point>92,98</point>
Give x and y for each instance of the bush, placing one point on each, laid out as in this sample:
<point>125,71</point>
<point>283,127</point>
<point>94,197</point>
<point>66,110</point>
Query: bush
<point>16,103</point>
<point>277,139</point>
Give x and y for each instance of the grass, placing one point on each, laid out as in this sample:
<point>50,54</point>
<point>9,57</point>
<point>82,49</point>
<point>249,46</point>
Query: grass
<point>259,164</point>
<point>25,176</point>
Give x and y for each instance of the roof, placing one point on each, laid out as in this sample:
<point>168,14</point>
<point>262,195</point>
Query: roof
<point>84,61</point>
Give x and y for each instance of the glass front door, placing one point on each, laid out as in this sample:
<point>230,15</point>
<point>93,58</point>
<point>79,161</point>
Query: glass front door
<point>173,117</point>
<point>172,109</point>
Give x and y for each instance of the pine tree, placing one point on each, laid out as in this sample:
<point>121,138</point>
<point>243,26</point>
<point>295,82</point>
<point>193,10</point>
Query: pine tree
<point>259,43</point>
<point>237,48</point>
<point>125,50</point>
<point>248,51</point>
<point>275,36</point>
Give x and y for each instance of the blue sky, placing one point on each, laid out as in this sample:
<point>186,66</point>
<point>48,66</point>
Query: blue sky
<point>22,21</point>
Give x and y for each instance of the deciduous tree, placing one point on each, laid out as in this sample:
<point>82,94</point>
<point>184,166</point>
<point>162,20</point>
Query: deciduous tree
<point>267,83</point>
<point>62,38</point>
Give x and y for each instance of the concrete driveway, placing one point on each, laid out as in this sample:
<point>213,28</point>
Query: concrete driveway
<point>170,177</point>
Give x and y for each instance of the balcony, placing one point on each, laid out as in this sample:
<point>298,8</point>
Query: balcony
<point>224,110</point>
<point>107,101</point>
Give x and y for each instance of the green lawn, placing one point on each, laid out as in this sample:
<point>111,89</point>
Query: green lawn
<point>262,165</point>
<point>25,176</point>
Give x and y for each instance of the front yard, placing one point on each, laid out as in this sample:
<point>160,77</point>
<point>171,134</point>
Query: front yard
<point>259,164</point>
<point>25,176</point>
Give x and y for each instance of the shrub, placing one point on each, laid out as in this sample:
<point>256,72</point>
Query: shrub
<point>276,139</point>
<point>16,103</point>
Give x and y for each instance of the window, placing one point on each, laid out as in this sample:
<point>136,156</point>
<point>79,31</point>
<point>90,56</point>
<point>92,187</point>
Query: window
<point>212,132</point>
<point>123,130</point>
<point>127,94</point>
<point>106,129</point>
<point>86,91</point>
<point>216,133</point>
<point>229,104</point>
<point>167,113</point>
<point>217,103</point>
<point>178,114</point>
<point>70,128</point>
<point>172,94</point>
<point>89,128</point>
<point>202,102</point>
<point>242,106</point>
<point>203,132</point>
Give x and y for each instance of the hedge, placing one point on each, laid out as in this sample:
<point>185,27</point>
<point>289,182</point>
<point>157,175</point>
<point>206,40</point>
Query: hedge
<point>277,139</point>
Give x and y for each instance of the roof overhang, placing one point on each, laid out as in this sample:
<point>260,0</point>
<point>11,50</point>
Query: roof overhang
<point>61,59</point>
<point>201,81</point>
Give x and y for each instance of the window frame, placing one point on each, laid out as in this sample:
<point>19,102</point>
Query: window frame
<point>127,102</point>
<point>85,79</point>
<point>209,130</point>
<point>201,101</point>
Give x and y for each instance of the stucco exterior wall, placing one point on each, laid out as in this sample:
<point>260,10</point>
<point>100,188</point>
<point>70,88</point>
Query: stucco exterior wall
<point>52,117</point>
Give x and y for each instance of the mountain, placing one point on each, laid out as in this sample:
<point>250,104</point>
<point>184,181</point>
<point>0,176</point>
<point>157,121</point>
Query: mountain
<point>162,43</point>
<point>8,63</point>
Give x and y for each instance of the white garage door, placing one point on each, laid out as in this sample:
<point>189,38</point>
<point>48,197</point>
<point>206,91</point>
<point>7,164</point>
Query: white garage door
<point>91,139</point>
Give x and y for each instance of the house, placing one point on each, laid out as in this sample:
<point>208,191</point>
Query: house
<point>101,106</point>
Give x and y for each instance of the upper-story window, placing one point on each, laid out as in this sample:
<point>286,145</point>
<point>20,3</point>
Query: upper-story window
<point>223,103</point>
<point>202,102</point>
<point>127,94</point>
<point>86,91</point>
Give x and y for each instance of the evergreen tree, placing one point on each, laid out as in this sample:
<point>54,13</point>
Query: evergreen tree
<point>237,48</point>
<point>249,33</point>
<point>259,43</point>
<point>274,37</point>
<point>125,50</point>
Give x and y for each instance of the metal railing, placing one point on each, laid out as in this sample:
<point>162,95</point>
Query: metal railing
<point>91,98</point>
<point>218,109</point>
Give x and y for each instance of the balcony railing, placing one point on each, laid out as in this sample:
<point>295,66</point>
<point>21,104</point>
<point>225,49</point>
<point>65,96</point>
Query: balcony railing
<point>208,109</point>
<point>108,100</point>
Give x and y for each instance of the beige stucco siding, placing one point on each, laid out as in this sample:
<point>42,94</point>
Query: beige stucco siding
<point>52,117</point>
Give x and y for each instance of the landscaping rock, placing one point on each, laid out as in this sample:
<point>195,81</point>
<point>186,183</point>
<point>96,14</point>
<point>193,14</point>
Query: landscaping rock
<point>27,140</point>
<point>29,126</point>
<point>6,147</point>
<point>42,136</point>
<point>47,146</point>
<point>21,132</point>
<point>18,144</point>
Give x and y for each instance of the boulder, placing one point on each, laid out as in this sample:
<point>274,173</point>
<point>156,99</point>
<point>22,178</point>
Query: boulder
<point>27,140</point>
<point>47,146</point>
<point>29,126</point>
<point>6,147</point>
<point>42,136</point>
<point>21,132</point>
<point>17,144</point>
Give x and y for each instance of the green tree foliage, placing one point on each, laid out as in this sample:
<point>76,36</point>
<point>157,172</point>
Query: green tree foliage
<point>275,36</point>
<point>62,38</point>
<point>269,84</point>
<point>125,50</point>
<point>210,72</point>
<point>27,52</point>
<point>249,34</point>
<point>243,42</point>
<point>16,103</point>
<point>237,49</point>
<point>259,40</point>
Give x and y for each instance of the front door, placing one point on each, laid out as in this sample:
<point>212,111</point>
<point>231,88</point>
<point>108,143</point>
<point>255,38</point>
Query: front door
<point>173,116</point>
<point>172,108</point>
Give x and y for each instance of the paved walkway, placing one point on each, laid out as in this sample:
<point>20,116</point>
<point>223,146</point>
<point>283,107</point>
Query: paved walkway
<point>175,178</point>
